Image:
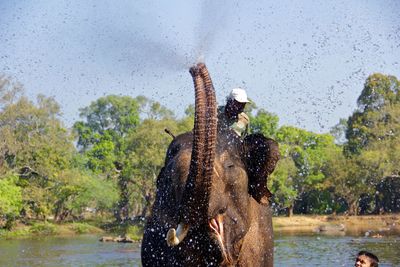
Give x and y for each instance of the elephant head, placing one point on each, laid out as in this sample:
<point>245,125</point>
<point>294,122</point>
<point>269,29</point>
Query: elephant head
<point>212,201</point>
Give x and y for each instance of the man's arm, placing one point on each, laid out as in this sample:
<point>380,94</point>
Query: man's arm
<point>243,124</point>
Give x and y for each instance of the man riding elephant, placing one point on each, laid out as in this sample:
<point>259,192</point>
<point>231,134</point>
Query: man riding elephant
<point>231,116</point>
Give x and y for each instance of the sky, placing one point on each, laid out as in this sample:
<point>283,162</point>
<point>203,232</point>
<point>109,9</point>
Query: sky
<point>305,61</point>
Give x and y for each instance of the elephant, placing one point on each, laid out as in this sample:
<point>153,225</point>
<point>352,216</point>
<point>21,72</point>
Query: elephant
<point>212,203</point>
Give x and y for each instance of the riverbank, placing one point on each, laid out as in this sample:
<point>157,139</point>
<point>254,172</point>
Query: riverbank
<point>365,224</point>
<point>41,229</point>
<point>49,229</point>
<point>374,225</point>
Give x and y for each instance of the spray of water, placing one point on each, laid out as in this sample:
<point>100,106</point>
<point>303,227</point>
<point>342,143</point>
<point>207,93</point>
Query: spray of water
<point>213,18</point>
<point>174,55</point>
<point>161,54</point>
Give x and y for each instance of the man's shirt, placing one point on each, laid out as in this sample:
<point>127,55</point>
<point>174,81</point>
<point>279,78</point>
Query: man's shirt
<point>238,124</point>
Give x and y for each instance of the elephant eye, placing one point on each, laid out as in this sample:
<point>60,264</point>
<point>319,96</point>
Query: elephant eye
<point>228,164</point>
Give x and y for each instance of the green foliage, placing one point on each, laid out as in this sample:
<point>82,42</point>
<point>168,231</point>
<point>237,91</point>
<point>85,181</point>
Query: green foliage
<point>379,90</point>
<point>116,114</point>
<point>153,110</point>
<point>282,184</point>
<point>265,123</point>
<point>146,149</point>
<point>41,149</point>
<point>186,123</point>
<point>38,137</point>
<point>347,180</point>
<point>10,196</point>
<point>77,191</point>
<point>9,91</point>
<point>135,232</point>
<point>305,155</point>
<point>80,228</point>
<point>83,228</point>
<point>388,194</point>
<point>101,135</point>
<point>102,155</point>
<point>130,151</point>
<point>377,116</point>
<point>373,135</point>
<point>320,202</point>
<point>127,228</point>
<point>15,233</point>
<point>101,138</point>
<point>45,228</point>
<point>10,200</point>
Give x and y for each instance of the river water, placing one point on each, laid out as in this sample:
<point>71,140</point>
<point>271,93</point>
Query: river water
<point>290,250</point>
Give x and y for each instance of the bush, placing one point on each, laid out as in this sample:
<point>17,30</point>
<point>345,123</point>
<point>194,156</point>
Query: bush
<point>4,234</point>
<point>10,200</point>
<point>83,228</point>
<point>43,228</point>
<point>135,232</point>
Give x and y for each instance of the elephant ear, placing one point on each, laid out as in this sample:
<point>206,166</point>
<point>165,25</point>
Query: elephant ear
<point>261,155</point>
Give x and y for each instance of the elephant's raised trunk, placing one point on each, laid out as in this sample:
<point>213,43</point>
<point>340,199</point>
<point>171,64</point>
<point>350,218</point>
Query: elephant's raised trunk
<point>196,195</point>
<point>194,205</point>
<point>211,124</point>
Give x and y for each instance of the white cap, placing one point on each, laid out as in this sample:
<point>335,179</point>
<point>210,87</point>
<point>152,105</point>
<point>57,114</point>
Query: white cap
<point>239,95</point>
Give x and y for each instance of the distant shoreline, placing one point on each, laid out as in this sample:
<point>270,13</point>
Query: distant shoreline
<point>41,229</point>
<point>370,224</point>
<point>69,229</point>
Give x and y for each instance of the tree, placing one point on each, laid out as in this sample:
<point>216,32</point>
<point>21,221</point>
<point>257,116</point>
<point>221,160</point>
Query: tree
<point>264,122</point>
<point>379,90</point>
<point>308,153</point>
<point>145,152</point>
<point>346,178</point>
<point>10,91</point>
<point>282,184</point>
<point>101,137</point>
<point>123,138</point>
<point>146,148</point>
<point>152,109</point>
<point>37,147</point>
<point>388,195</point>
<point>186,123</point>
<point>373,134</point>
<point>375,106</point>
<point>77,190</point>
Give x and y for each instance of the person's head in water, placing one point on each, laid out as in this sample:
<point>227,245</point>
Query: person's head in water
<point>236,102</point>
<point>366,259</point>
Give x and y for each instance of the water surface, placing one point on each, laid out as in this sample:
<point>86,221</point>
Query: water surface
<point>290,250</point>
<point>333,250</point>
<point>62,251</point>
